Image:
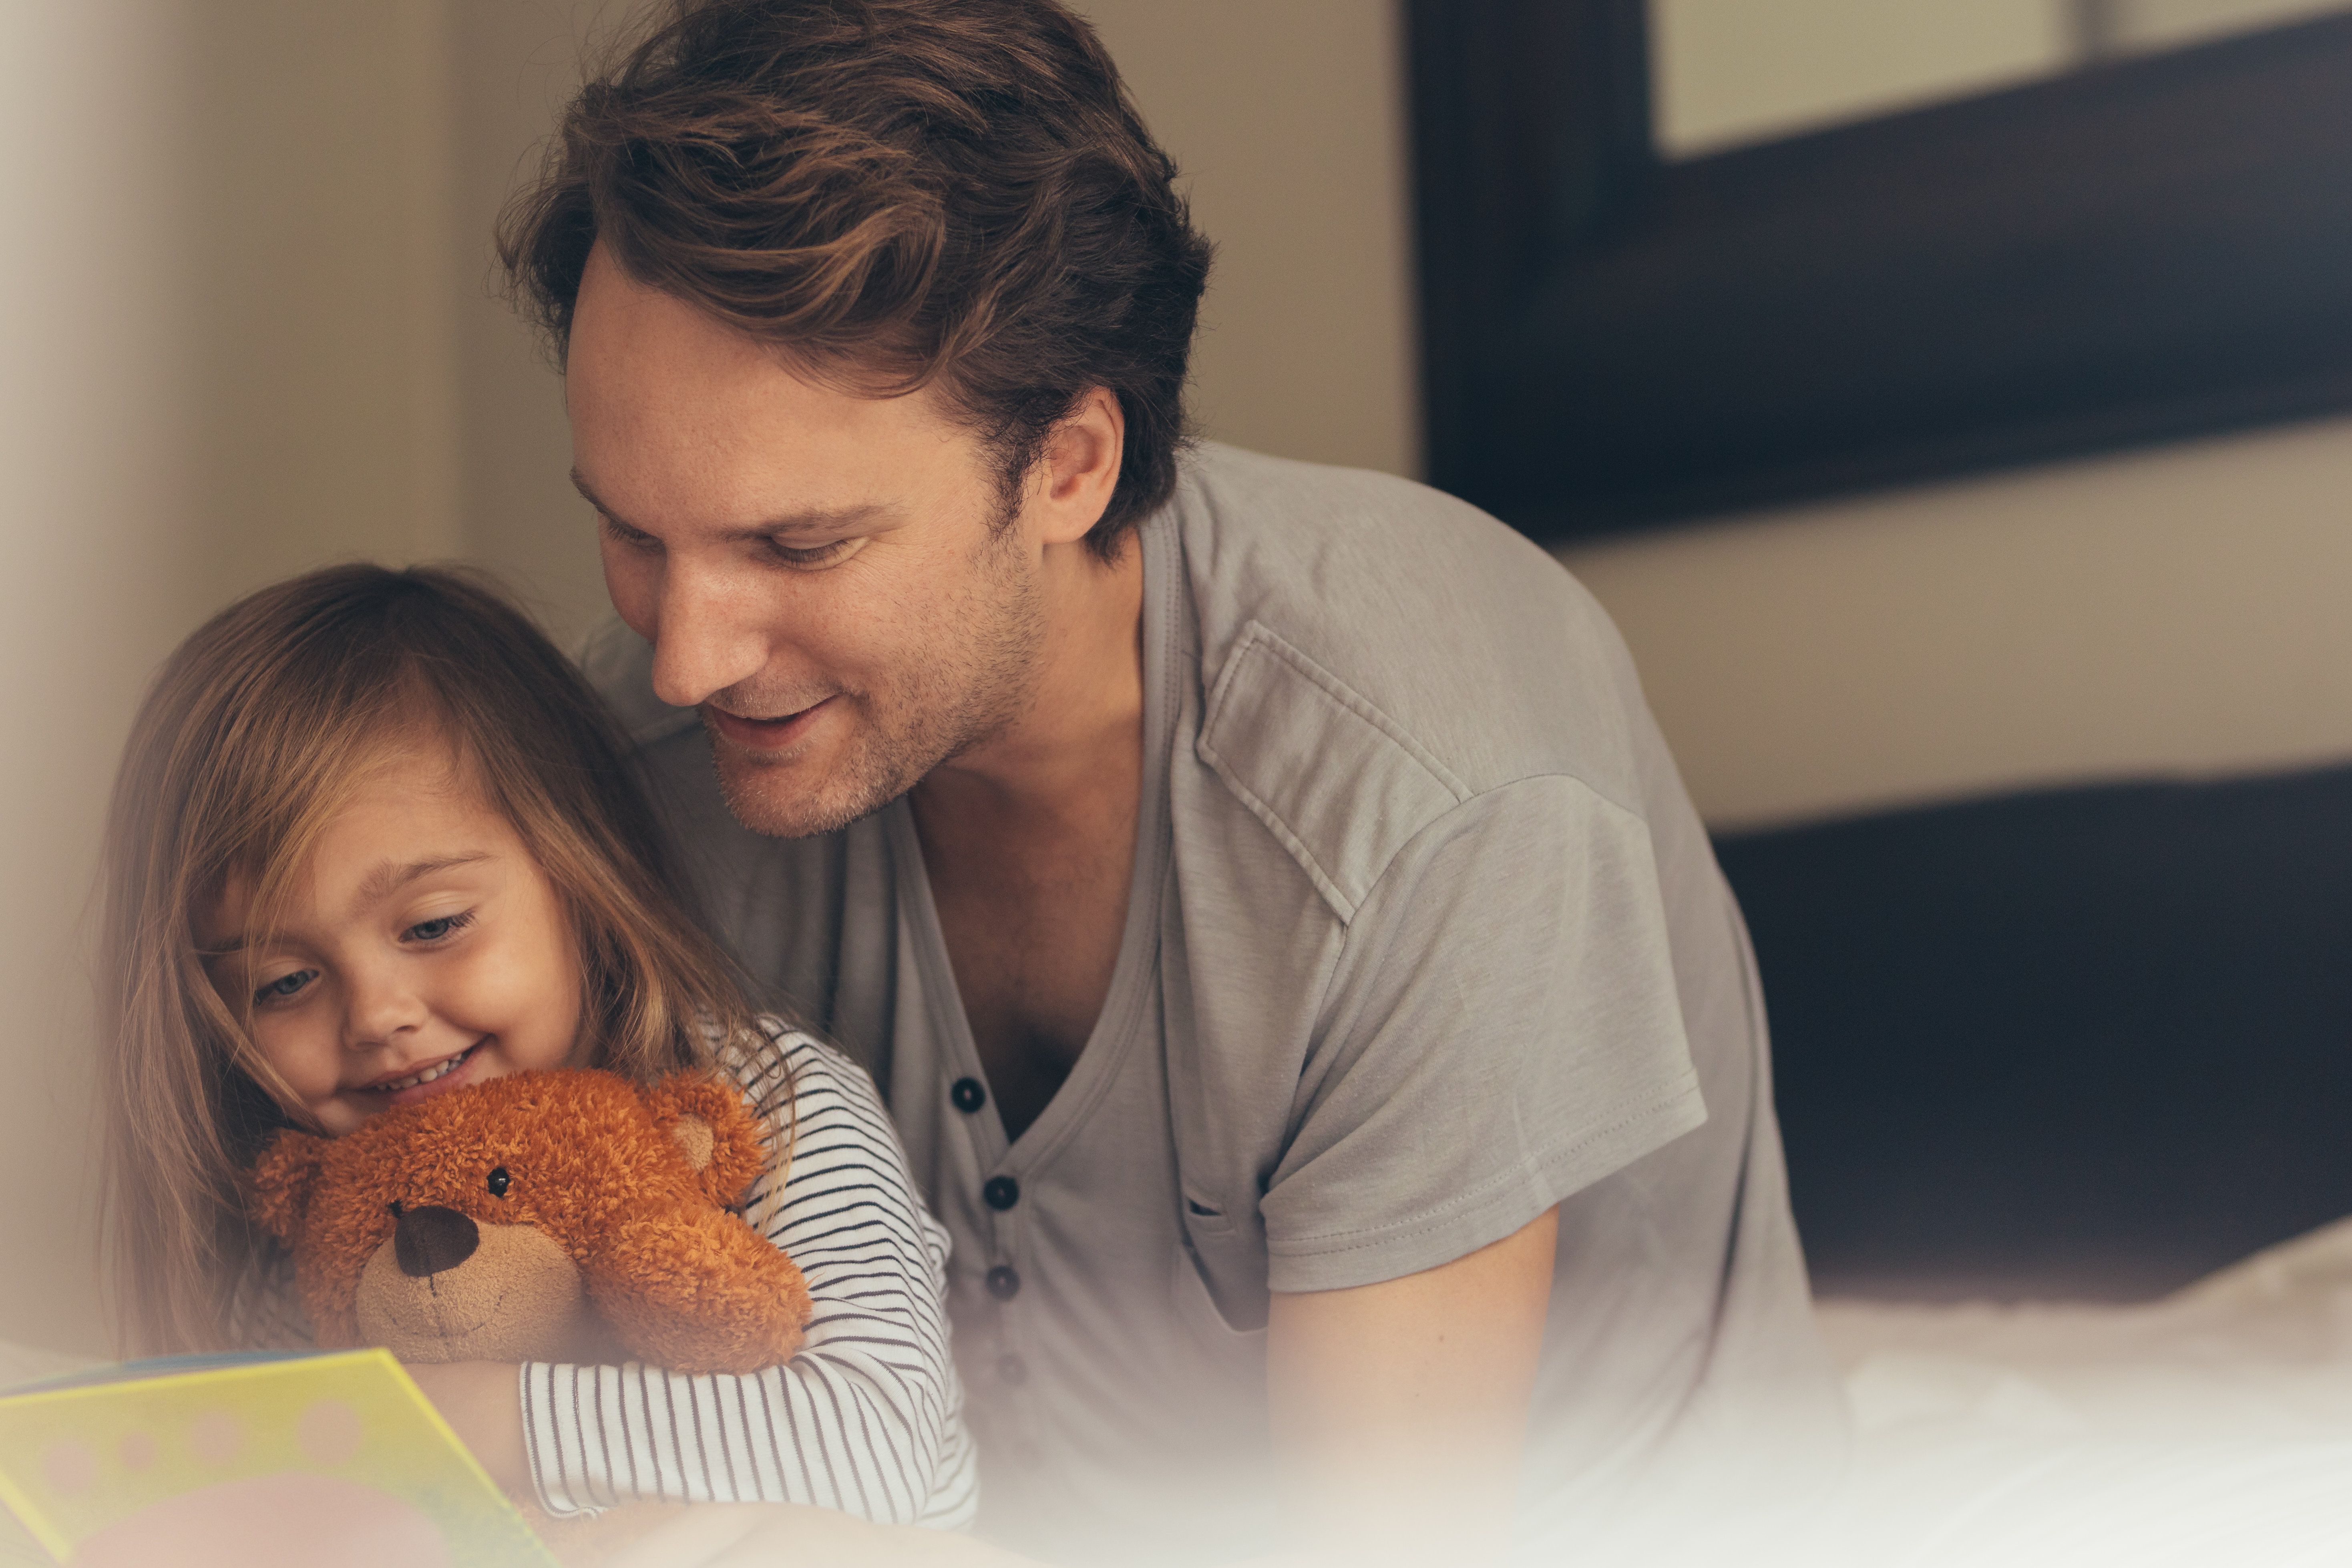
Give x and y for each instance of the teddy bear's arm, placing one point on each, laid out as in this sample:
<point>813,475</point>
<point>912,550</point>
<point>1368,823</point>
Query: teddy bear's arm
<point>700,1292</point>
<point>863,1418</point>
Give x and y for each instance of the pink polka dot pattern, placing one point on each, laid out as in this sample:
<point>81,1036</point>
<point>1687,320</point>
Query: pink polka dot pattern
<point>329,1433</point>
<point>69,1468</point>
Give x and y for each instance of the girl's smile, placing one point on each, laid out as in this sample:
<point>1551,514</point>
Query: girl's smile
<point>434,1078</point>
<point>420,949</point>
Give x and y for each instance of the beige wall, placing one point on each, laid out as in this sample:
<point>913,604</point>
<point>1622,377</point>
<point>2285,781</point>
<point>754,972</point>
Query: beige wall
<point>513,64</point>
<point>2187,610</point>
<point>1284,121</point>
<point>323,138</point>
<point>234,335</point>
<point>97,441</point>
<point>1726,72</point>
<point>1729,71</point>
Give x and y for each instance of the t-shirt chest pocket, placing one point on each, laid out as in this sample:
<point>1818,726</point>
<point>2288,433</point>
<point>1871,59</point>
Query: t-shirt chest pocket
<point>1220,1270</point>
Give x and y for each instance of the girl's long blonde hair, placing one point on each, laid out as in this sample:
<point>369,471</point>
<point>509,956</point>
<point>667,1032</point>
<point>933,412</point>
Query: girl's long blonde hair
<point>252,737</point>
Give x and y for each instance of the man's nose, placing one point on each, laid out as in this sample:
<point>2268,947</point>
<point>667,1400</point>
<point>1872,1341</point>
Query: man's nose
<point>706,638</point>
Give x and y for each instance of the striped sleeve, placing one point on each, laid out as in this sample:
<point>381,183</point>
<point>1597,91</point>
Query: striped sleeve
<point>868,1417</point>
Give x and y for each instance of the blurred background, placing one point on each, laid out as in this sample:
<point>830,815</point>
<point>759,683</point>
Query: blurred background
<point>250,326</point>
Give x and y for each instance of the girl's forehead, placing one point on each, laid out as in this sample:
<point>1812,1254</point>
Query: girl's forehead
<point>427,773</point>
<point>413,809</point>
<point>404,808</point>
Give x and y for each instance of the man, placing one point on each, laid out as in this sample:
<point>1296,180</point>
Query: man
<point>1302,985</point>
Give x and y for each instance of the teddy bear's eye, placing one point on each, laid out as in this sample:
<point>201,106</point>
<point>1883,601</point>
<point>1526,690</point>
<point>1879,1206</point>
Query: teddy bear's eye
<point>499,1182</point>
<point>396,1210</point>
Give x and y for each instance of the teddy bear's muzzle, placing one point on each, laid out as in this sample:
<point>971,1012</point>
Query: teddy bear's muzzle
<point>447,1287</point>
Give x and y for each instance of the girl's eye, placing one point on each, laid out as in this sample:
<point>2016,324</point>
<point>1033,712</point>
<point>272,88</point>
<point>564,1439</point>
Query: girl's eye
<point>285,985</point>
<point>437,927</point>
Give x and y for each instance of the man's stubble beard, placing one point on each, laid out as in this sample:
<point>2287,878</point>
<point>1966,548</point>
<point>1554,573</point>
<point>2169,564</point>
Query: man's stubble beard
<point>950,700</point>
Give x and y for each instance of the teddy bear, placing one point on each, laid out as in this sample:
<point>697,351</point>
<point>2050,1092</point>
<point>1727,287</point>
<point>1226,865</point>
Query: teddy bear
<point>562,1215</point>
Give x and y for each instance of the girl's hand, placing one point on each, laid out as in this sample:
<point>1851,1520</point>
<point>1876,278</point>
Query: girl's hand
<point>482,1402</point>
<point>778,1534</point>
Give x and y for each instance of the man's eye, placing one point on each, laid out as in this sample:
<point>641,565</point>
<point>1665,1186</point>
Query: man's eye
<point>628,538</point>
<point>285,985</point>
<point>819,555</point>
<point>437,927</point>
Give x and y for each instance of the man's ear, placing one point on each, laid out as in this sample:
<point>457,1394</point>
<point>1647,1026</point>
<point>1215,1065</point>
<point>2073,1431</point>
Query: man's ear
<point>282,1181</point>
<point>708,1121</point>
<point>1080,467</point>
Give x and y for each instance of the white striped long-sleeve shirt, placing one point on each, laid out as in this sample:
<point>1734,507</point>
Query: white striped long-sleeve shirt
<point>868,1417</point>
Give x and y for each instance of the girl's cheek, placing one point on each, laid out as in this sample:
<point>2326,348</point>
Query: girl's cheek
<point>513,992</point>
<point>305,1059</point>
<point>499,978</point>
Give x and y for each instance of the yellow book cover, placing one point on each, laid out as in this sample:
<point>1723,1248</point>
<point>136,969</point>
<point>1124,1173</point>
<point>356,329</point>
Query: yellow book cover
<point>257,1460</point>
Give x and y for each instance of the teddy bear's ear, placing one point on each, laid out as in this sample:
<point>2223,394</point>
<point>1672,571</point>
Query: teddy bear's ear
<point>281,1182</point>
<point>708,1120</point>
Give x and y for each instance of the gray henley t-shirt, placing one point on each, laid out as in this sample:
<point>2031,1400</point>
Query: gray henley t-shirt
<point>1425,937</point>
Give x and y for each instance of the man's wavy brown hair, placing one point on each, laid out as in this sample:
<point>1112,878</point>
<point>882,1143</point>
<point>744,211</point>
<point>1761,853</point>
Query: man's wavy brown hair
<point>900,193</point>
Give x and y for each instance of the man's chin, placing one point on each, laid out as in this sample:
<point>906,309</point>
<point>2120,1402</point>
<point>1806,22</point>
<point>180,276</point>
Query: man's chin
<point>792,800</point>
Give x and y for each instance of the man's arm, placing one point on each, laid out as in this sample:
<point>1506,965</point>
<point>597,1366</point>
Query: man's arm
<point>1400,1409</point>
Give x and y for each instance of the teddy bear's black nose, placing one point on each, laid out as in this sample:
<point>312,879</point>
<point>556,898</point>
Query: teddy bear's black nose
<point>433,1240</point>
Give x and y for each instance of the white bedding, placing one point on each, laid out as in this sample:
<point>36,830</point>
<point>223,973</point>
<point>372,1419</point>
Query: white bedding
<point>2212,1429</point>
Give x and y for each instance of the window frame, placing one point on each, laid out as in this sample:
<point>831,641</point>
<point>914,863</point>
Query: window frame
<point>2145,249</point>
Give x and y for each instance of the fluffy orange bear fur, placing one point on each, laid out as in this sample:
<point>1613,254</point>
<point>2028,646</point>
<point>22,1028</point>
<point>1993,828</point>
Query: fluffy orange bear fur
<point>545,1216</point>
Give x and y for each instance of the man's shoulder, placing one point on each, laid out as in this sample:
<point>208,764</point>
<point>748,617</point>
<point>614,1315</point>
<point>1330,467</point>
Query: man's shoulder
<point>1333,602</point>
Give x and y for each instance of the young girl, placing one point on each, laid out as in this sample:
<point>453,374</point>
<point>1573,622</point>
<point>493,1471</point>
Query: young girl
<point>374,840</point>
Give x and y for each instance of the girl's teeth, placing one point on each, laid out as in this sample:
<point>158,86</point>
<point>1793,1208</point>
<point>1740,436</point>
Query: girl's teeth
<point>428,1076</point>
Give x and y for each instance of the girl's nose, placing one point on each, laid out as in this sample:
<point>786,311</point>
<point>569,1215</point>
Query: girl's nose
<point>381,1010</point>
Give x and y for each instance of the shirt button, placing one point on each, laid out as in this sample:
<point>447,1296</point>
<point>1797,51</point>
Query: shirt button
<point>967,1095</point>
<point>1013,1369</point>
<point>1003,1283</point>
<point>1001,1193</point>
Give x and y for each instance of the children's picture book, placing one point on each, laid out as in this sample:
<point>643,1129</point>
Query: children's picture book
<point>256,1460</point>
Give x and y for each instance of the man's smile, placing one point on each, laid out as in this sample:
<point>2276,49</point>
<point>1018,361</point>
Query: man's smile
<point>774,734</point>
